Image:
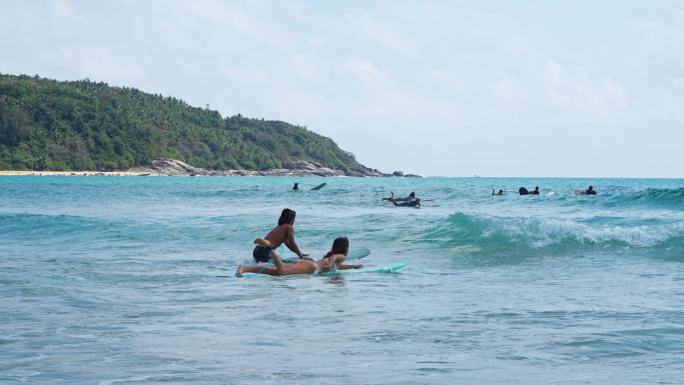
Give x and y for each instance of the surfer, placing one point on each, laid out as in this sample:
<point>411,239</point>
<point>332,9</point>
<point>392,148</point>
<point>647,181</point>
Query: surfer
<point>524,191</point>
<point>283,233</point>
<point>296,186</point>
<point>411,203</point>
<point>331,261</point>
<point>501,192</point>
<point>589,191</point>
<point>410,197</point>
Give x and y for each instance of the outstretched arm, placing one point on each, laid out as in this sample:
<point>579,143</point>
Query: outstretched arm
<point>345,266</point>
<point>338,260</point>
<point>292,245</point>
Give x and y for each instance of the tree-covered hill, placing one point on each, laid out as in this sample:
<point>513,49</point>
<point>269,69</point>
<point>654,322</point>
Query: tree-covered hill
<point>83,125</point>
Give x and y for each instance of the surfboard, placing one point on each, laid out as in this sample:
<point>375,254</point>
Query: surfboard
<point>359,253</point>
<point>579,192</point>
<point>386,269</point>
<point>381,270</point>
<point>320,186</point>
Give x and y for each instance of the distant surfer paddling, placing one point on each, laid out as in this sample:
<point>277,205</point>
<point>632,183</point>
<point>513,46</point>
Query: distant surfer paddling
<point>332,261</point>
<point>283,233</point>
<point>501,192</point>
<point>589,191</point>
<point>411,196</point>
<point>524,191</point>
<point>409,201</point>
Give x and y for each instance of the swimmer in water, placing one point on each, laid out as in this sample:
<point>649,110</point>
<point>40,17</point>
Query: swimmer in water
<point>331,261</point>
<point>410,197</point>
<point>412,203</point>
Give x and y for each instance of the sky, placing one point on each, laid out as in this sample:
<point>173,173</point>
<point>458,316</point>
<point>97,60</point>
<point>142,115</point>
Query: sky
<point>437,88</point>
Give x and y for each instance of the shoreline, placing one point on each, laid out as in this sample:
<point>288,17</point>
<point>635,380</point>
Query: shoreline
<point>175,167</point>
<point>228,173</point>
<point>69,173</point>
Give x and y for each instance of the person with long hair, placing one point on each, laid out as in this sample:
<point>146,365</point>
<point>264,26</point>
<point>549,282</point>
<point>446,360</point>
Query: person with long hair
<point>331,261</point>
<point>283,233</point>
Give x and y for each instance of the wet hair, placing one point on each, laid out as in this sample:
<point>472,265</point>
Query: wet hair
<point>591,187</point>
<point>412,194</point>
<point>536,187</point>
<point>340,246</point>
<point>287,217</point>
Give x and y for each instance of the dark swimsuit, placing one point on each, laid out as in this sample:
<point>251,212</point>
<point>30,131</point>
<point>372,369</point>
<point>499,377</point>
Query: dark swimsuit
<point>262,253</point>
<point>408,203</point>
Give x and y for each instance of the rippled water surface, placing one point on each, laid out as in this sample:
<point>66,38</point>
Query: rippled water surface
<point>114,280</point>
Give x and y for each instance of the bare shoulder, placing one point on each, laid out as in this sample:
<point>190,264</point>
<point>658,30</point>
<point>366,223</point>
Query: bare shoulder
<point>279,234</point>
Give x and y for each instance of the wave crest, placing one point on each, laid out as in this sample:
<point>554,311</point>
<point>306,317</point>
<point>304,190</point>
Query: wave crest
<point>489,232</point>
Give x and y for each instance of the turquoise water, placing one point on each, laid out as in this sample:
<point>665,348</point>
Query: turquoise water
<point>114,280</point>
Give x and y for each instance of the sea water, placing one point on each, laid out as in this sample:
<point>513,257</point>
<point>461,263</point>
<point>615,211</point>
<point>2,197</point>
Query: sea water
<point>129,280</point>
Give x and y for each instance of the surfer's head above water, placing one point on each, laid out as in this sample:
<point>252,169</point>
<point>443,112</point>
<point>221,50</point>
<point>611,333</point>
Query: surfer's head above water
<point>340,246</point>
<point>412,195</point>
<point>287,217</point>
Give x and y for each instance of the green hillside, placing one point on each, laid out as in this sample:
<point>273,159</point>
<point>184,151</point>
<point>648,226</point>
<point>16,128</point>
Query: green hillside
<point>82,125</point>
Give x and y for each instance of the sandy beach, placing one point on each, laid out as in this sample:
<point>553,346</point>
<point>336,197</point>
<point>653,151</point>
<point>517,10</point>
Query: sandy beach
<point>71,173</point>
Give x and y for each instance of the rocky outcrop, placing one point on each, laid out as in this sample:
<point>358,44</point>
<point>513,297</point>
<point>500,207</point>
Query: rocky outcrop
<point>166,166</point>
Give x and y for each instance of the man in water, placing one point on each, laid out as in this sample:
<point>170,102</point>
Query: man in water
<point>501,192</point>
<point>411,203</point>
<point>410,197</point>
<point>590,191</point>
<point>283,233</point>
<point>296,186</point>
<point>523,191</point>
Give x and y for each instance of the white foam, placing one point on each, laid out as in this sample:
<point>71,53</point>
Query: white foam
<point>545,232</point>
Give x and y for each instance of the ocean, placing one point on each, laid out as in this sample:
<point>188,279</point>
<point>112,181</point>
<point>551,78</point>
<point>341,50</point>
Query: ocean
<point>129,280</point>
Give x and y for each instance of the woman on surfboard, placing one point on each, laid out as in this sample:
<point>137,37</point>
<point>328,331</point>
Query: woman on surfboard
<point>391,198</point>
<point>331,261</point>
<point>283,233</point>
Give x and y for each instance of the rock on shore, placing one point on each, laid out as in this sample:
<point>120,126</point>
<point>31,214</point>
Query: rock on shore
<point>167,166</point>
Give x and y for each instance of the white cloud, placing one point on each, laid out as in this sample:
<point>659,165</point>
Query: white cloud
<point>382,34</point>
<point>601,101</point>
<point>363,70</point>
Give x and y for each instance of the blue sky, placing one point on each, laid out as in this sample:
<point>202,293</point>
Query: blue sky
<point>454,88</point>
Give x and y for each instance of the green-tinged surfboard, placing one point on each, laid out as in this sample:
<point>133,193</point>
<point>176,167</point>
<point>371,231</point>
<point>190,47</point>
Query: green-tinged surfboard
<point>320,186</point>
<point>385,269</point>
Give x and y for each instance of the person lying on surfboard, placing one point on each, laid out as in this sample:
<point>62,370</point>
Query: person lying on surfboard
<point>411,203</point>
<point>410,197</point>
<point>331,261</point>
<point>283,233</point>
